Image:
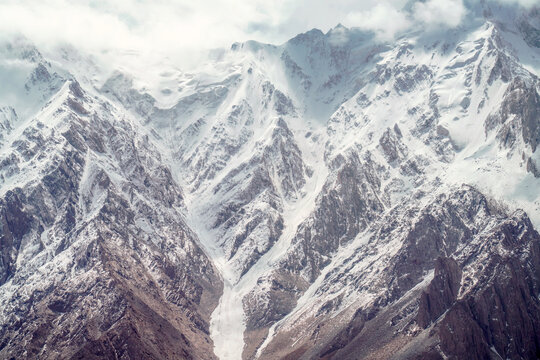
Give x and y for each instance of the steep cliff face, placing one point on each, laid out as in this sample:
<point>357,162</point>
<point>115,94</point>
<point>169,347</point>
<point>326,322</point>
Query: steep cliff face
<point>97,260</point>
<point>496,311</point>
<point>331,197</point>
<point>424,299</point>
<point>402,279</point>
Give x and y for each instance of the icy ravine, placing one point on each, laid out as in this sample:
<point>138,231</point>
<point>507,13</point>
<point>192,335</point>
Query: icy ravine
<point>228,323</point>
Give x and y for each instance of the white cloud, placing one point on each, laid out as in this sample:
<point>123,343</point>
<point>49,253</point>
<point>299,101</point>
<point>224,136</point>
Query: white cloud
<point>384,18</point>
<point>152,25</point>
<point>387,18</point>
<point>135,24</point>
<point>175,28</point>
<point>524,3</point>
<point>448,13</point>
<point>181,26</point>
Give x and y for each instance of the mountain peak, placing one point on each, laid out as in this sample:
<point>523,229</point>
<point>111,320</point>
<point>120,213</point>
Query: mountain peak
<point>309,36</point>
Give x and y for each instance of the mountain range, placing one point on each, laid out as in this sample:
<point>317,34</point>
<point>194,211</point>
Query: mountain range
<point>338,196</point>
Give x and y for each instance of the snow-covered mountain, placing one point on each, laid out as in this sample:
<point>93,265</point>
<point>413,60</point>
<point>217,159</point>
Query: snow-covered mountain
<point>336,196</point>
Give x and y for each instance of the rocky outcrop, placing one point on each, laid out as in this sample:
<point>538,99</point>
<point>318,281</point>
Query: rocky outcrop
<point>16,222</point>
<point>498,315</point>
<point>518,115</point>
<point>481,305</point>
<point>249,217</point>
<point>441,293</point>
<point>332,223</point>
<point>393,149</point>
<point>348,202</point>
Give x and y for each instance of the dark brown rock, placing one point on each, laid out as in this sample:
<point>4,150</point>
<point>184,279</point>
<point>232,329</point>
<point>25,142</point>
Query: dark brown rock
<point>441,292</point>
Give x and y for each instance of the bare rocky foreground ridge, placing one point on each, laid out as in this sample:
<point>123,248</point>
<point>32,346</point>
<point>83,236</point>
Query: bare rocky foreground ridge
<point>333,197</point>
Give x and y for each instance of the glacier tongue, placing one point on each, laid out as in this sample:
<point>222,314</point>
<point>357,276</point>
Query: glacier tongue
<point>228,321</point>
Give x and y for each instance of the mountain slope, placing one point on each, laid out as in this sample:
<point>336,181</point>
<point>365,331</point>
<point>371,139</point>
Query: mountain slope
<point>92,217</point>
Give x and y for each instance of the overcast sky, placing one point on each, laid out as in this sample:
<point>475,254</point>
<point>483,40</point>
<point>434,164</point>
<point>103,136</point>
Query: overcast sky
<point>162,25</point>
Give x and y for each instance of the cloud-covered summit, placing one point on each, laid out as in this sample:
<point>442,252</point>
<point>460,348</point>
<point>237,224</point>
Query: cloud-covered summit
<point>182,26</point>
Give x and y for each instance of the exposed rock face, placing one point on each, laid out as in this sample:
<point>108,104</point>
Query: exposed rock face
<point>460,307</point>
<point>94,251</point>
<point>252,197</point>
<point>498,315</point>
<point>345,207</point>
<point>391,146</point>
<point>441,292</point>
<point>15,224</point>
<point>347,204</point>
<point>521,107</point>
